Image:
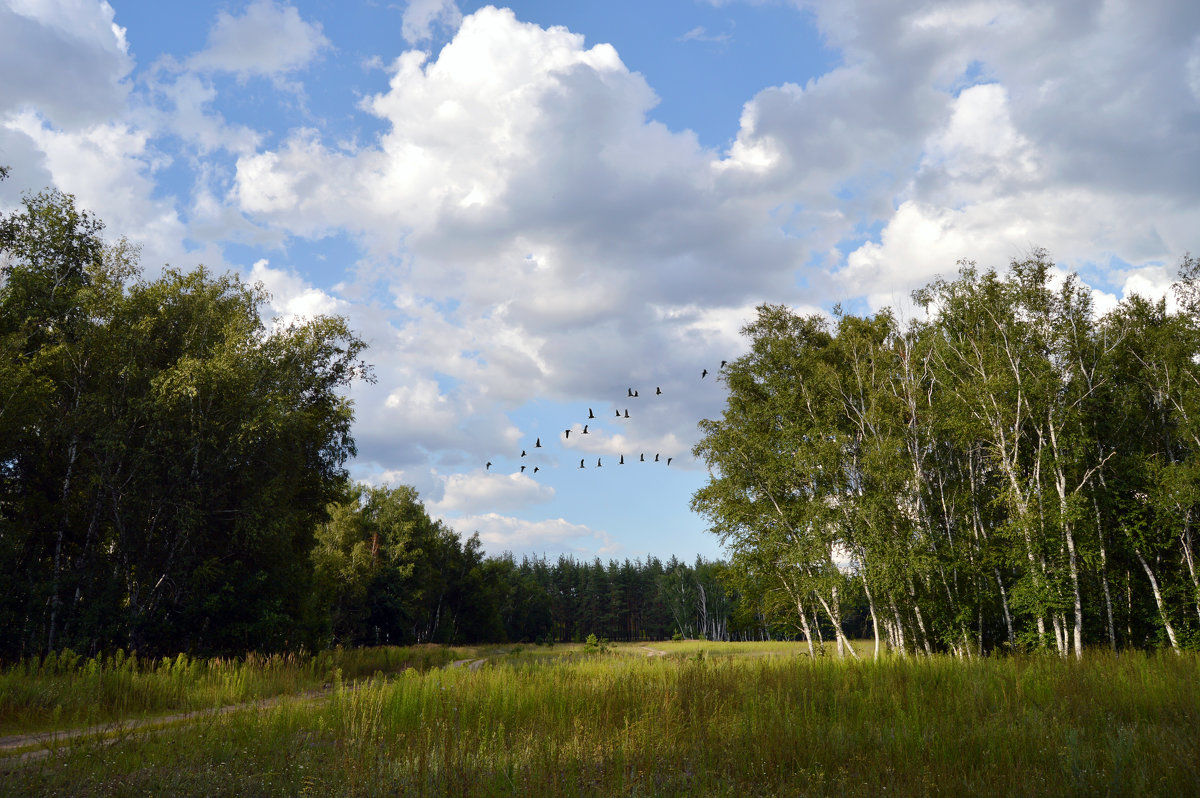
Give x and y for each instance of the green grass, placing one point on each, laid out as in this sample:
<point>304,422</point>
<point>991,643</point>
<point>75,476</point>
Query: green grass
<point>864,648</point>
<point>64,690</point>
<point>565,723</point>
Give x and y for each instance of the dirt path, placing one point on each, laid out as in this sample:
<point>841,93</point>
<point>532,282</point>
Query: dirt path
<point>654,652</point>
<point>115,731</point>
<point>108,733</point>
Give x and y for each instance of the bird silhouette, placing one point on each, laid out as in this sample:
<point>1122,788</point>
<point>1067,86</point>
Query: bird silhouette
<point>522,452</point>
<point>630,393</point>
<point>658,391</point>
<point>656,458</point>
<point>723,362</point>
<point>590,415</point>
<point>618,412</point>
<point>522,469</point>
<point>585,432</point>
<point>669,459</point>
<point>581,463</point>
<point>536,469</point>
<point>704,374</point>
<point>635,394</point>
<point>538,444</point>
<point>566,433</point>
<point>486,467</point>
<point>622,462</point>
<point>627,412</point>
<point>641,458</point>
<point>598,463</point>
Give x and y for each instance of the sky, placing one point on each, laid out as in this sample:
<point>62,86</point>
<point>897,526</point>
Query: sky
<point>529,211</point>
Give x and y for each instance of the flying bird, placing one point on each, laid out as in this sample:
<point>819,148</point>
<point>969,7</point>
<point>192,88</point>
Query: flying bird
<point>566,433</point>
<point>536,469</point>
<point>669,459</point>
<point>656,458</point>
<point>704,374</point>
<point>590,415</point>
<point>538,444</point>
<point>489,465</point>
<point>641,458</point>
<point>598,463</point>
<point>522,469</point>
<point>622,460</point>
<point>723,362</point>
<point>522,452</point>
<point>618,412</point>
<point>658,391</point>
<point>585,432</point>
<point>630,393</point>
<point>581,463</point>
<point>627,412</point>
<point>635,394</point>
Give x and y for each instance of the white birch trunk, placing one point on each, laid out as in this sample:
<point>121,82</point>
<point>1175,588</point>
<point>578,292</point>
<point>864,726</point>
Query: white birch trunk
<point>805,628</point>
<point>835,617</point>
<point>1158,599</point>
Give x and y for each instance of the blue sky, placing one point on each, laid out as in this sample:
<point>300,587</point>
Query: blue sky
<point>529,210</point>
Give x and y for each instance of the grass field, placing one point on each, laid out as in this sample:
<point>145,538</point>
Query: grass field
<point>699,719</point>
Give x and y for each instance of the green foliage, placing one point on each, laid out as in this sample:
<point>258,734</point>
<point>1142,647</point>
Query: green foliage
<point>988,478</point>
<point>595,645</point>
<point>165,457</point>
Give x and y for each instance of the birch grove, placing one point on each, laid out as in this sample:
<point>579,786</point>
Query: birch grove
<point>990,477</point>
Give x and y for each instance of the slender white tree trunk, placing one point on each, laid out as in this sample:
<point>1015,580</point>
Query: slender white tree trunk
<point>1158,599</point>
<point>898,628</point>
<point>1112,633</point>
<point>874,617</point>
<point>1012,640</point>
<point>835,617</point>
<point>805,628</point>
<point>1185,540</point>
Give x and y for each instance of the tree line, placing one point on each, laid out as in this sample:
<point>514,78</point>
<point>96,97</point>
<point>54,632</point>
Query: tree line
<point>1012,471</point>
<point>172,478</point>
<point>390,574</point>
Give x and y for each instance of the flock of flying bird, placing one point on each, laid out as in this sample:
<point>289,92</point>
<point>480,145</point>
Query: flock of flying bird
<point>631,394</point>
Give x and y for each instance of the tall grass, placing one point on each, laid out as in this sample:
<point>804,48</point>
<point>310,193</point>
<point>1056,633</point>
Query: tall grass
<point>689,725</point>
<point>64,690</point>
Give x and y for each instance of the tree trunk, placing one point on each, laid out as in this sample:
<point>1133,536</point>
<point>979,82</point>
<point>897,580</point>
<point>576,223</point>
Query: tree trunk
<point>1108,608</point>
<point>804,626</point>
<point>898,628</point>
<point>55,601</point>
<point>1012,640</point>
<point>835,617</point>
<point>912,592</point>
<point>874,617</point>
<point>1158,599</point>
<point>1185,540</point>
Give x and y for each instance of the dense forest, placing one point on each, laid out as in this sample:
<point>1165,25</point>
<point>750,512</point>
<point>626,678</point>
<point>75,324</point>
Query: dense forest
<point>172,479</point>
<point>1011,471</point>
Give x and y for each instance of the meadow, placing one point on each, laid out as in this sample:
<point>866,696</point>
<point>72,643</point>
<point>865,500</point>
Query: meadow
<point>685,718</point>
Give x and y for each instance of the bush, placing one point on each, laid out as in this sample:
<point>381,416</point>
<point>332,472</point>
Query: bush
<point>595,645</point>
